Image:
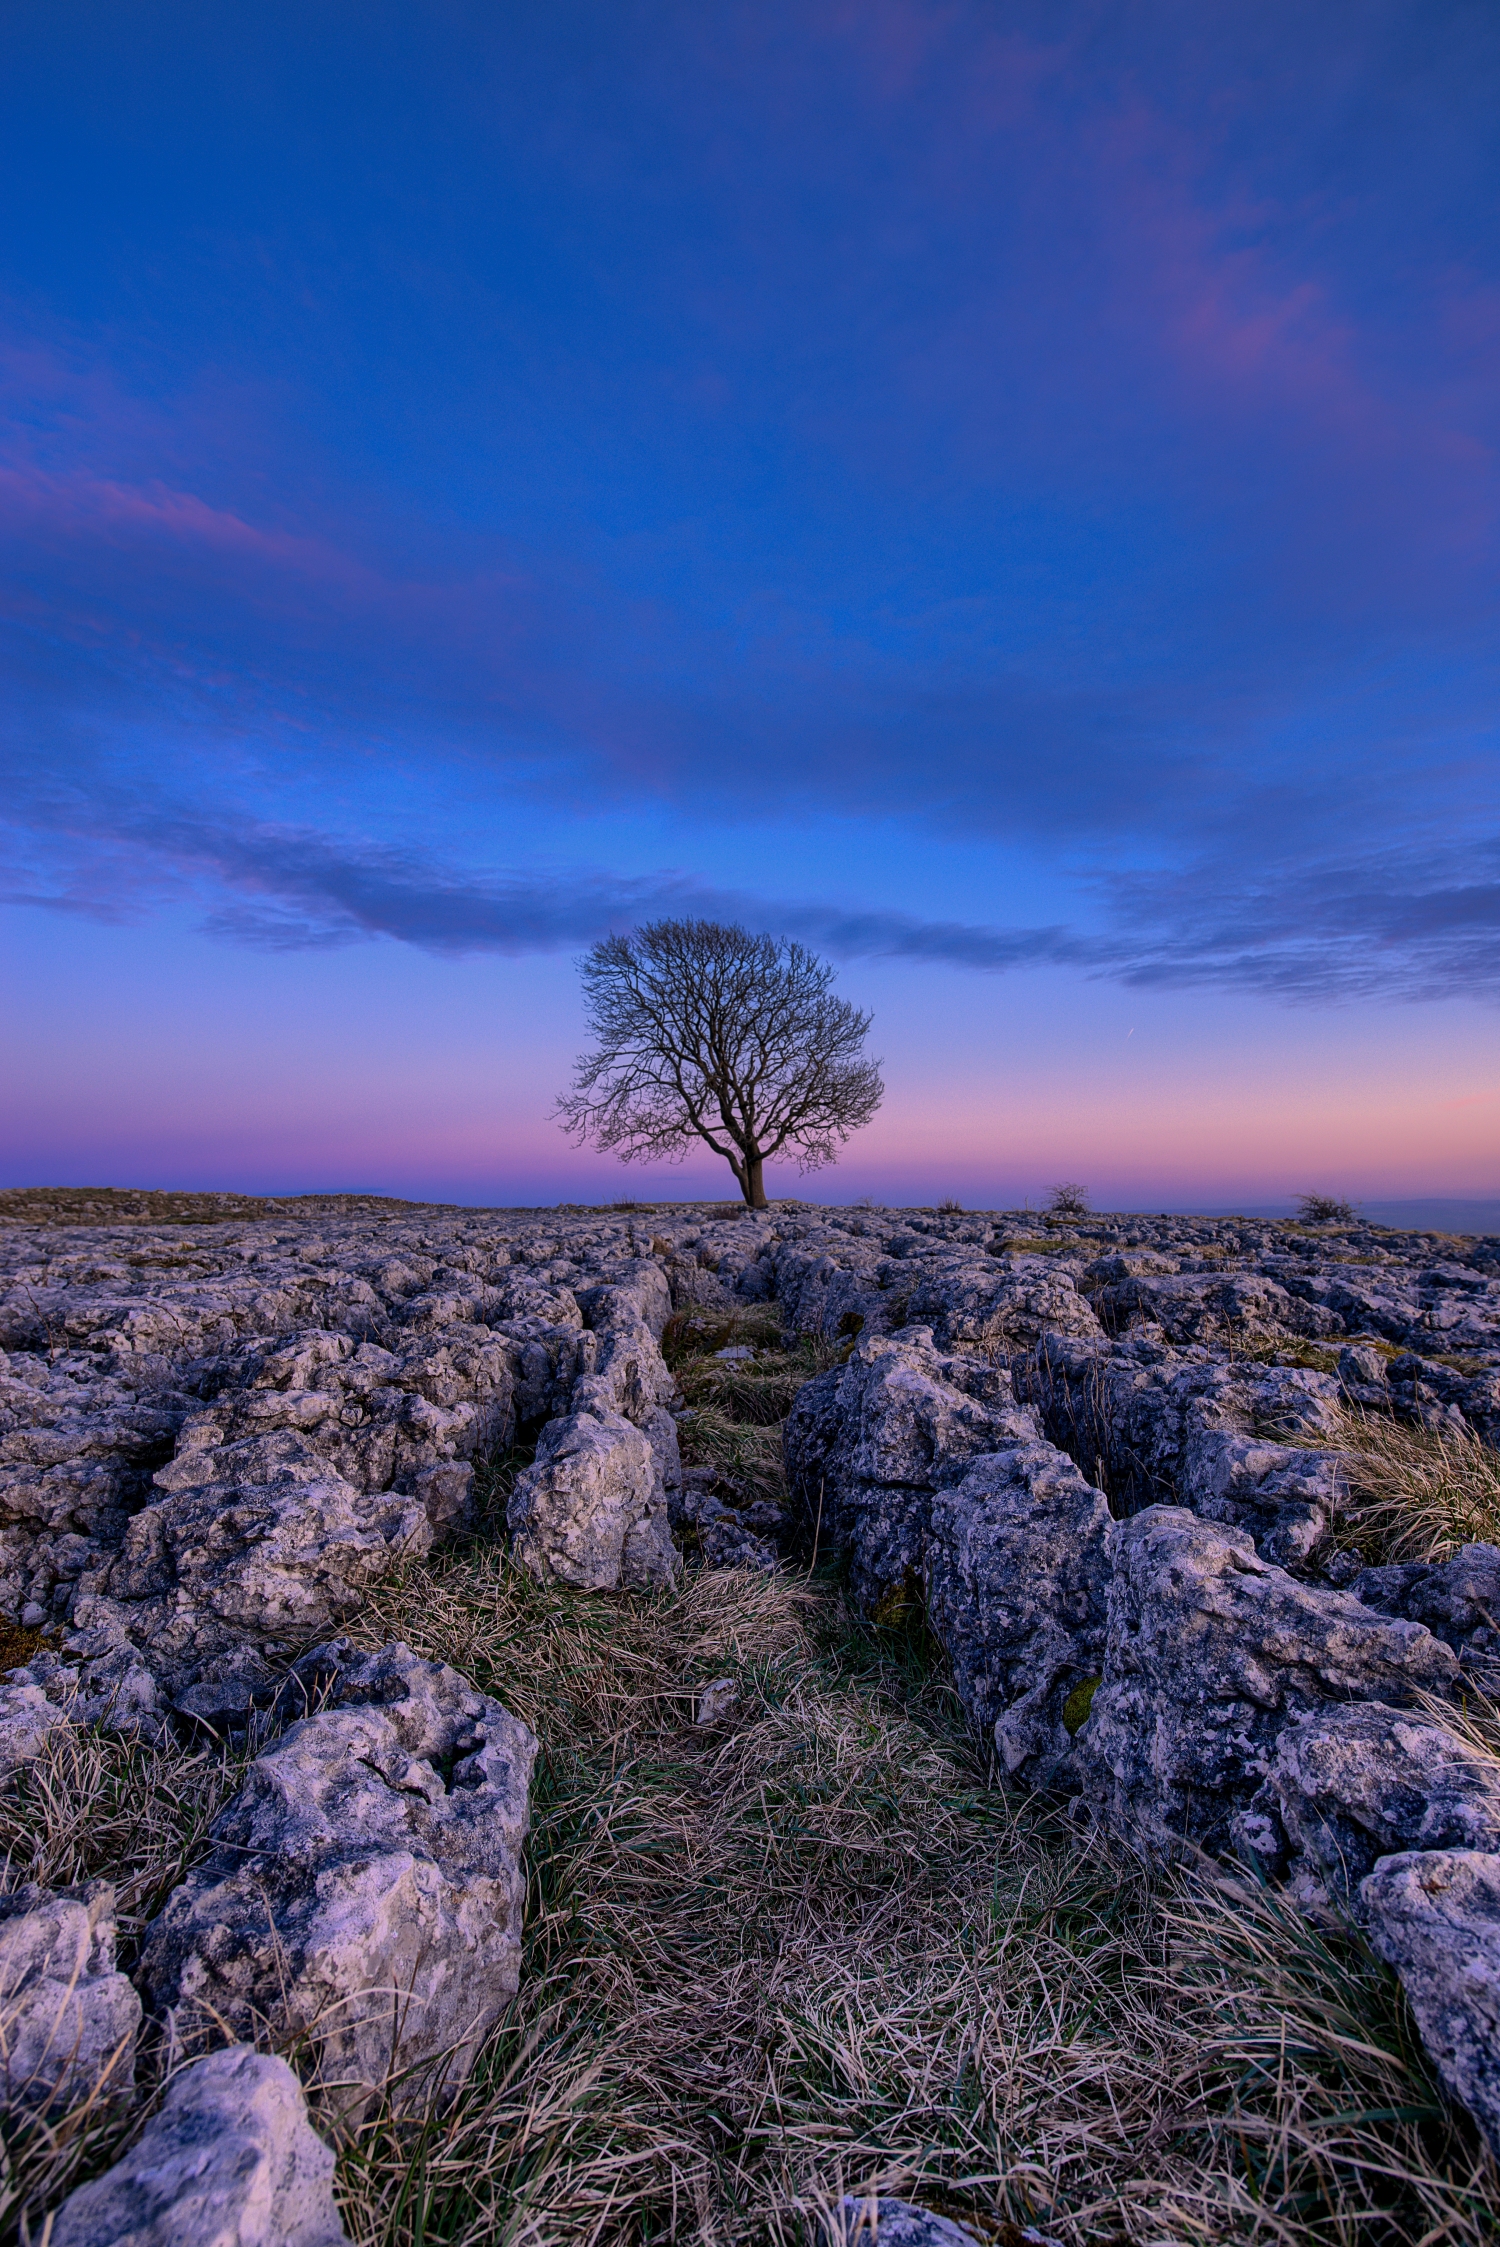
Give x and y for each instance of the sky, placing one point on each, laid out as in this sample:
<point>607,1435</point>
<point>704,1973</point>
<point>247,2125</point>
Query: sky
<point>1004,494</point>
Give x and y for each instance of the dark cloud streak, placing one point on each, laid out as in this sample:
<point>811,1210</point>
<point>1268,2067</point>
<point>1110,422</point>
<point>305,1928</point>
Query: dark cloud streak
<point>1377,929</point>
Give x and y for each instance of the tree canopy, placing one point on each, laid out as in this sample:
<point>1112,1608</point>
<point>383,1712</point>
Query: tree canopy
<point>704,1031</point>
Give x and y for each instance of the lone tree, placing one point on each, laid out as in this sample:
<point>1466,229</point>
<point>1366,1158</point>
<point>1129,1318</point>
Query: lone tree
<point>706,1032</point>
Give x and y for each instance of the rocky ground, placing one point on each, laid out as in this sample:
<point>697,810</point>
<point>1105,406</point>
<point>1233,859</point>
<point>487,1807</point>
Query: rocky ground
<point>1160,1536</point>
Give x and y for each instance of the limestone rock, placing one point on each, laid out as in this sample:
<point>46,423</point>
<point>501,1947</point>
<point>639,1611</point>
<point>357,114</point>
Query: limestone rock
<point>591,1511</point>
<point>1210,1652</point>
<point>864,1458</point>
<point>28,1718</point>
<point>314,1384</point>
<point>1458,1600</point>
<point>626,1375</point>
<point>230,2160</point>
<point>1157,1428</point>
<point>382,1418</point>
<point>1003,1305</point>
<point>694,1289</point>
<point>715,1700</point>
<point>1017,1579</point>
<point>68,2020</point>
<point>77,1451</point>
<point>1435,1916</point>
<point>858,2222</point>
<point>365,1888</point>
<point>258,1541</point>
<point>844,1295</point>
<point>1349,1784</point>
<point>98,1679</point>
<point>1200,1307</point>
<point>719,1532</point>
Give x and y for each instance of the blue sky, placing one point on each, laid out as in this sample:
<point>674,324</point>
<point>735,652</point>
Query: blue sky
<point>1007,494</point>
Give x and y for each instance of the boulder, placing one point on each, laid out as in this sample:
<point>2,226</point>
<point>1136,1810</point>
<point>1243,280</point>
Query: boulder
<point>68,2020</point>
<point>1154,1427</point>
<point>696,1289</point>
<point>229,2160</point>
<point>859,2222</point>
<point>718,1533</point>
<point>1349,1784</point>
<point>1002,1305</point>
<point>592,1510</point>
<point>256,1543</point>
<point>1435,1916</point>
<point>623,1373</point>
<point>833,1295</point>
<point>864,1457</point>
<point>365,1887</point>
<point>1016,1582</point>
<point>1458,1600</point>
<point>28,1718</point>
<point>1210,1652</point>
<point>98,1679</point>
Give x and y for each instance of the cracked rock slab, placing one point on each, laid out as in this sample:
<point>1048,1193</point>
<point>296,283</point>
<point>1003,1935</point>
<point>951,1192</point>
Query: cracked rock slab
<point>867,1445</point>
<point>1017,1578</point>
<point>257,1544</point>
<point>1210,1652</point>
<point>1348,1785</point>
<point>592,1510</point>
<point>1435,1916</point>
<point>365,1889</point>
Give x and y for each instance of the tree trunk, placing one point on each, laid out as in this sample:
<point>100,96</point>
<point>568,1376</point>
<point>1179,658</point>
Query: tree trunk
<point>753,1184</point>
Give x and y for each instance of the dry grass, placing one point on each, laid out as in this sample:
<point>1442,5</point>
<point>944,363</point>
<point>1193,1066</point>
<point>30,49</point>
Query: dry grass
<point>1312,1357</point>
<point>813,1949</point>
<point>748,1456</point>
<point>736,1407</point>
<point>95,1807</point>
<point>1415,1494</point>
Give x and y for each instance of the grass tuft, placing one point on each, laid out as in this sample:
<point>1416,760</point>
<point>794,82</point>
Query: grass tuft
<point>1415,1494</point>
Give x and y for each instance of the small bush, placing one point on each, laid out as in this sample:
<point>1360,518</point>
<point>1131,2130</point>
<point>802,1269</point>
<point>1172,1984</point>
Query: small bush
<point>948,1207</point>
<point>1068,1200</point>
<point>1325,1209</point>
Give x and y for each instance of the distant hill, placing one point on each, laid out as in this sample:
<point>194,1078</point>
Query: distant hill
<point>1430,1213</point>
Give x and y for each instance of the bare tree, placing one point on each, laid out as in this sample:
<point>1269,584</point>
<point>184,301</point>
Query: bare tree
<point>1068,1200</point>
<point>706,1032</point>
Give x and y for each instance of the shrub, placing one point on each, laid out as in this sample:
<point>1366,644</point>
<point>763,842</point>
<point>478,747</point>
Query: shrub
<point>1325,1209</point>
<point>1068,1200</point>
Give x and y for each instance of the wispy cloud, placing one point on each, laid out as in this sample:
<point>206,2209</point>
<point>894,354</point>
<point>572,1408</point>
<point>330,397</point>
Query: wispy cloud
<point>1378,929</point>
<point>1027,430</point>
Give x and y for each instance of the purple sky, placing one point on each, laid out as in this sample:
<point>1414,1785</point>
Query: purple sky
<point>1007,494</point>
